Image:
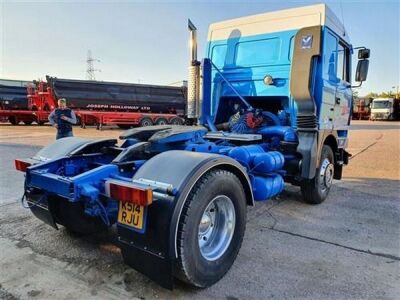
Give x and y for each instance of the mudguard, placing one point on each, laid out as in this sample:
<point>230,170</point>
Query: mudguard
<point>154,252</point>
<point>72,146</point>
<point>60,148</point>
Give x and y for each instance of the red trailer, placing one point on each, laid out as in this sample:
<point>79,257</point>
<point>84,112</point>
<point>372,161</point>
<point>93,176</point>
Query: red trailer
<point>38,107</point>
<point>103,103</point>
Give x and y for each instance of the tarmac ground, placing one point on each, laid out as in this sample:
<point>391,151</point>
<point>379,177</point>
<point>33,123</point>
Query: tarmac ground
<point>345,248</point>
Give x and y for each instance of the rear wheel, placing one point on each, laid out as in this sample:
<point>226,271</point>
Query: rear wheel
<point>211,228</point>
<point>161,121</point>
<point>316,190</point>
<point>145,122</point>
<point>13,120</point>
<point>176,121</point>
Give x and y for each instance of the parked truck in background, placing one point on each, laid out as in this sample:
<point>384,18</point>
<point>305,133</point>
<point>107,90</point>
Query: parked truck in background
<point>385,109</point>
<point>361,108</point>
<point>271,103</point>
<point>12,97</point>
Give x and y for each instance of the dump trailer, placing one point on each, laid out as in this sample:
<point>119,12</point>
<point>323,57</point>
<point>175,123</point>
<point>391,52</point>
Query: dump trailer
<point>99,103</point>
<point>13,97</point>
<point>117,96</point>
<point>37,104</point>
<point>270,103</point>
<point>14,103</point>
<point>123,104</point>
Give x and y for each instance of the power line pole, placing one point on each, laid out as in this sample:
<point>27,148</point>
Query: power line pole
<point>90,71</point>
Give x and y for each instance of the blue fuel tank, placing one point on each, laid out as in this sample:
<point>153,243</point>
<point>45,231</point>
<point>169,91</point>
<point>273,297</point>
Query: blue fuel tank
<point>268,161</point>
<point>267,187</point>
<point>245,154</point>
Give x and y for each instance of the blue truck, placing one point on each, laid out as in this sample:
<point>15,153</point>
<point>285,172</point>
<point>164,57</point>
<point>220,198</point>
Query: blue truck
<point>270,103</point>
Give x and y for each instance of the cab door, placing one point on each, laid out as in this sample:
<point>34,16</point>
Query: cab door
<point>329,79</point>
<point>343,95</point>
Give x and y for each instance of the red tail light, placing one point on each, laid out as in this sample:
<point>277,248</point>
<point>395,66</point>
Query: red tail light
<point>126,193</point>
<point>21,165</point>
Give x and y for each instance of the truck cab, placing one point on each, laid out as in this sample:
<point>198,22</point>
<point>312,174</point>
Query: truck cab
<point>270,103</point>
<point>384,109</point>
<point>295,63</point>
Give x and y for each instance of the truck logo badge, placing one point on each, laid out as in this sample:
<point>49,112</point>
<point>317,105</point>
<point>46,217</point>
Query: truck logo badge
<point>306,41</point>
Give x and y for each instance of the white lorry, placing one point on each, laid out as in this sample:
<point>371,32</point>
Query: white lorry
<point>385,109</point>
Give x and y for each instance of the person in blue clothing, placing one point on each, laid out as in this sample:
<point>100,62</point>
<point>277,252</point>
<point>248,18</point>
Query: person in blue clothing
<point>62,118</point>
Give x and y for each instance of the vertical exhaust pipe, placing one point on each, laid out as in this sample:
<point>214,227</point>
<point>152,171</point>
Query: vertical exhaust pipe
<point>193,101</point>
<point>193,42</point>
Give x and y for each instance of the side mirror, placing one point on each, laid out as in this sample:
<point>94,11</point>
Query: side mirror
<point>362,70</point>
<point>363,53</point>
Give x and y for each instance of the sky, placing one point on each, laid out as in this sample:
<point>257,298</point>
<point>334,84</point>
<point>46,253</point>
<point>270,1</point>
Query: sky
<point>147,41</point>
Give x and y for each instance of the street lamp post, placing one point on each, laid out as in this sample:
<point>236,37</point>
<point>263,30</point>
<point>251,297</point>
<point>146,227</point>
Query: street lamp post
<point>397,91</point>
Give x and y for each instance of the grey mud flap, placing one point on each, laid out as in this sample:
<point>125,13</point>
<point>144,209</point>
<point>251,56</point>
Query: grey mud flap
<point>41,207</point>
<point>155,266</point>
<point>148,252</point>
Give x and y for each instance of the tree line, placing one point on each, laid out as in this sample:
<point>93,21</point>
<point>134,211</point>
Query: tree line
<point>374,95</point>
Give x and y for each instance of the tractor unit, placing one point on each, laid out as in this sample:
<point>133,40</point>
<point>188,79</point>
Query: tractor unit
<point>270,103</point>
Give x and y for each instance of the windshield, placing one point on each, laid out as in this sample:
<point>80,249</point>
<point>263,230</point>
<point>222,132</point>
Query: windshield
<point>381,104</point>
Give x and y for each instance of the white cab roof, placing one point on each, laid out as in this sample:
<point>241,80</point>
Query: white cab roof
<point>282,20</point>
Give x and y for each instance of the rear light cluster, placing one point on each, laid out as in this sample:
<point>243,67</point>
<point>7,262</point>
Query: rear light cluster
<point>131,194</point>
<point>21,165</point>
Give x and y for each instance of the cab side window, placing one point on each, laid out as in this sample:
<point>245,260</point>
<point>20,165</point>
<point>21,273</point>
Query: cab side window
<point>329,58</point>
<point>343,63</point>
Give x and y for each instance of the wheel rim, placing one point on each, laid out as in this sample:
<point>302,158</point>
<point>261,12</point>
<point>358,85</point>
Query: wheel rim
<point>326,175</point>
<point>146,123</point>
<point>162,122</point>
<point>216,227</point>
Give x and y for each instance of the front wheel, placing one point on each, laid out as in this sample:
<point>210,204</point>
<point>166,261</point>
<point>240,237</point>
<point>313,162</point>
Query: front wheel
<point>211,228</point>
<point>316,190</point>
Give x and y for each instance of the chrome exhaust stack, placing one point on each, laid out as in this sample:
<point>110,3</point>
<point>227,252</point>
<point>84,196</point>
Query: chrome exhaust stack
<point>193,98</point>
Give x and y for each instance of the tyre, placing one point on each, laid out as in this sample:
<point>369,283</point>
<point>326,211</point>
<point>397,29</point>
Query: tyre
<point>161,121</point>
<point>176,121</point>
<point>13,120</point>
<point>211,228</point>
<point>145,122</point>
<point>316,190</point>
<point>28,122</point>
